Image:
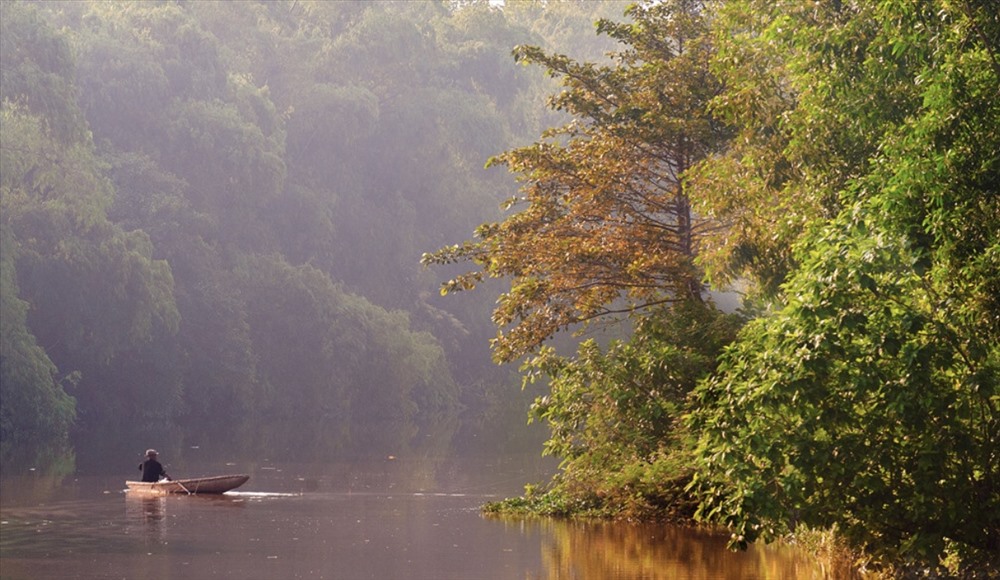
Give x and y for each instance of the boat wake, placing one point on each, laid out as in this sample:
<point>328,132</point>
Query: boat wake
<point>255,494</point>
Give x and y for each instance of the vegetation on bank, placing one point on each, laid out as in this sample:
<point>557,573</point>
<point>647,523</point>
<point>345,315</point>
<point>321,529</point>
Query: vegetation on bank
<point>837,162</point>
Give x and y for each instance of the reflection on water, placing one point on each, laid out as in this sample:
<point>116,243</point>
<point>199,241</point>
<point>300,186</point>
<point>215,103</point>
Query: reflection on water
<point>145,517</point>
<point>573,549</point>
<point>391,526</point>
<point>405,508</point>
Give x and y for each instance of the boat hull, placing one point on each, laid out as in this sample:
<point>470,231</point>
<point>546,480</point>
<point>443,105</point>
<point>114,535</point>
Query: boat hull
<point>198,485</point>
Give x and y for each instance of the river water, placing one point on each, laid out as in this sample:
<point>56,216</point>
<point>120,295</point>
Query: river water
<point>355,514</point>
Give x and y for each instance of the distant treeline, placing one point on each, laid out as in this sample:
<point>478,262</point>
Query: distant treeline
<point>213,212</point>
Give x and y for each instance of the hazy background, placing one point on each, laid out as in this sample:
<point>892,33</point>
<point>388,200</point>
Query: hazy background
<point>213,212</point>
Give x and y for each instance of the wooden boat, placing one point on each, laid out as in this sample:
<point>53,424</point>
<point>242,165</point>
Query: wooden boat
<point>217,484</point>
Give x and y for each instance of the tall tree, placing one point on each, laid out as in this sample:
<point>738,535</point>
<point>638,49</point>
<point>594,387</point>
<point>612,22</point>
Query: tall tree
<point>605,224</point>
<point>604,227</point>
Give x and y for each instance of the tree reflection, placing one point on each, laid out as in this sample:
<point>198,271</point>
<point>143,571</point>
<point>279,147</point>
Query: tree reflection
<point>576,549</point>
<point>33,472</point>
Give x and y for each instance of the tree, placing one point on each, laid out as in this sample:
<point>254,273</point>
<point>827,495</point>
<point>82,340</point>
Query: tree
<point>35,405</point>
<point>38,71</point>
<point>325,353</point>
<point>869,398</point>
<point>615,412</point>
<point>94,289</point>
<point>172,99</point>
<point>606,226</point>
<point>567,24</point>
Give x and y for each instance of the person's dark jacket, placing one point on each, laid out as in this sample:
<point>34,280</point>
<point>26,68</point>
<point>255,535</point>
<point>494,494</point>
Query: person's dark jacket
<point>152,471</point>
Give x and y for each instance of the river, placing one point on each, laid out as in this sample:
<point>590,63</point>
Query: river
<point>409,514</point>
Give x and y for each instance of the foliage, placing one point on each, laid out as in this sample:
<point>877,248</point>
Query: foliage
<point>92,289</point>
<point>553,503</point>
<point>34,403</point>
<point>624,400</point>
<point>568,24</point>
<point>868,401</point>
<point>605,225</point>
<point>613,414</point>
<point>38,71</point>
<point>320,350</point>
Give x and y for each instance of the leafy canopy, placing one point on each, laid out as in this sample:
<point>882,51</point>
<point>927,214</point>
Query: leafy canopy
<point>869,400</point>
<point>603,223</point>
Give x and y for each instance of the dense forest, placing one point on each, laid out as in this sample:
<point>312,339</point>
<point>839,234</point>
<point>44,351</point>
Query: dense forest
<point>215,212</point>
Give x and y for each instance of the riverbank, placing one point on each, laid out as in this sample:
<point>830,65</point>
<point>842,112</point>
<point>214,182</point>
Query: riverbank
<point>824,547</point>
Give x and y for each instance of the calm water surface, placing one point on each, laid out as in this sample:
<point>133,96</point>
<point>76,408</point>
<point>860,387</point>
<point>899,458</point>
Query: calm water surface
<point>383,517</point>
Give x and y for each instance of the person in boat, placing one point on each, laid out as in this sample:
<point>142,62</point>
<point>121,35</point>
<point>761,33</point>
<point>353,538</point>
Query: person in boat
<point>151,469</point>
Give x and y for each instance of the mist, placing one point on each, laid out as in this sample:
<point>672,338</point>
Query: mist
<point>214,212</point>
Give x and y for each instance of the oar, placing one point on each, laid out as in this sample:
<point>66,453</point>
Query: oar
<point>180,484</point>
